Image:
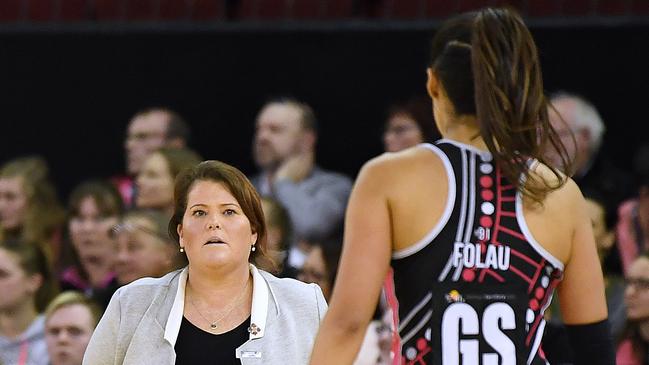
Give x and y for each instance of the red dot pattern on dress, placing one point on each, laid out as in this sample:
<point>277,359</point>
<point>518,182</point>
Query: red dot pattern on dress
<point>486,181</point>
<point>534,305</point>
<point>539,293</point>
<point>487,195</point>
<point>468,275</point>
<point>486,221</point>
<point>421,344</point>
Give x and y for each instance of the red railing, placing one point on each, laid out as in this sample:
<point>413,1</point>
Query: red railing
<point>67,11</point>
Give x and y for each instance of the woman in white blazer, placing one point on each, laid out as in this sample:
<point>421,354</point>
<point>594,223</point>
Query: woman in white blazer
<point>220,309</point>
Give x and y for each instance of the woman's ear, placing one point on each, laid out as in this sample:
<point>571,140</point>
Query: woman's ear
<point>179,229</point>
<point>432,85</point>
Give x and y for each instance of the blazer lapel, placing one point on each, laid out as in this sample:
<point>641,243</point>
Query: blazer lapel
<point>155,336</point>
<point>148,346</point>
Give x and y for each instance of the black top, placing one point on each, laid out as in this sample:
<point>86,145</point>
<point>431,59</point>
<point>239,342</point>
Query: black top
<point>475,288</point>
<point>195,346</point>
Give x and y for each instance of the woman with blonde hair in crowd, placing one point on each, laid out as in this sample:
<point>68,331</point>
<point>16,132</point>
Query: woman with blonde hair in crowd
<point>30,210</point>
<point>26,287</point>
<point>144,248</point>
<point>478,229</point>
<point>95,208</point>
<point>220,308</point>
<point>155,182</point>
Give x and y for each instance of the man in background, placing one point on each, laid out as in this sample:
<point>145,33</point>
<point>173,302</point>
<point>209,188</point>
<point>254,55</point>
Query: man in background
<point>149,130</point>
<point>284,150</point>
<point>70,320</point>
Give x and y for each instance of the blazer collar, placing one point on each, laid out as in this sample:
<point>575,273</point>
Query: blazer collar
<point>258,312</point>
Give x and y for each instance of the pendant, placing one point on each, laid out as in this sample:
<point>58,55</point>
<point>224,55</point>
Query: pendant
<point>213,326</point>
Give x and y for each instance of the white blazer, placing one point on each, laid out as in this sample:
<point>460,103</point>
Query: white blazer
<point>142,321</point>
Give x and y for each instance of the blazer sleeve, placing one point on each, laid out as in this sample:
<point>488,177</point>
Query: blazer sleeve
<point>320,300</point>
<point>102,348</point>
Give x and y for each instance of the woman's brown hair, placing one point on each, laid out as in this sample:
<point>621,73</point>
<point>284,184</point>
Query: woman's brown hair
<point>33,261</point>
<point>109,204</point>
<point>488,63</point>
<point>179,159</point>
<point>44,216</point>
<point>238,185</point>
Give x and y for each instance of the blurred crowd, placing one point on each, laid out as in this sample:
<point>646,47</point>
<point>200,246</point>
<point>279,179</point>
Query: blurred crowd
<point>60,262</point>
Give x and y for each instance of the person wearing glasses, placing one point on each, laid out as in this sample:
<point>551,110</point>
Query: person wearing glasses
<point>220,309</point>
<point>633,348</point>
<point>409,124</point>
<point>144,248</point>
<point>148,130</point>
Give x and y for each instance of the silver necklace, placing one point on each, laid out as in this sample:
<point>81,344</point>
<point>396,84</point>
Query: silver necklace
<point>214,324</point>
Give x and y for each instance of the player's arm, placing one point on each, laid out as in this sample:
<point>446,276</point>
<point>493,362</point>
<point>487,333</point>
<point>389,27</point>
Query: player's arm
<point>581,293</point>
<point>364,264</point>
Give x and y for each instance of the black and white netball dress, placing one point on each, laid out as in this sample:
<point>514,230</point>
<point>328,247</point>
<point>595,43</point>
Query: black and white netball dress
<point>473,291</point>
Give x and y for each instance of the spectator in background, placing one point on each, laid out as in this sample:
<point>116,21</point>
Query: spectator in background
<point>70,320</point>
<point>144,248</point>
<point>284,150</point>
<point>633,223</point>
<point>604,231</point>
<point>321,264</point>
<point>634,345</point>
<point>30,210</point>
<point>409,124</point>
<point>155,182</point>
<point>279,236</point>
<point>27,286</point>
<point>556,344</point>
<point>581,130</point>
<point>95,207</point>
<point>321,267</point>
<point>149,130</point>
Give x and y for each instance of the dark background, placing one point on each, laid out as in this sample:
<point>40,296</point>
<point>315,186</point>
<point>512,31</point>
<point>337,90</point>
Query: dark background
<point>68,96</point>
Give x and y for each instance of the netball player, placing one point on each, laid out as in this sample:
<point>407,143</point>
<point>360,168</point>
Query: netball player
<point>479,229</point>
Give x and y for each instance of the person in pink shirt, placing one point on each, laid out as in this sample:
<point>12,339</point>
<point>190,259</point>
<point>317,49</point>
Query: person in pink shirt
<point>633,349</point>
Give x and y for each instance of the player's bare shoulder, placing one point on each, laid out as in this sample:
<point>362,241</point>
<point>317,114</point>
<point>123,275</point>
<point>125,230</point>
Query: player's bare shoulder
<point>561,201</point>
<point>412,158</point>
<point>404,178</point>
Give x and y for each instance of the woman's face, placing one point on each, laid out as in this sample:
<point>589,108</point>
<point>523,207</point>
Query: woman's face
<point>636,294</point>
<point>401,132</point>
<point>274,234</point>
<point>16,286</point>
<point>215,232</point>
<point>604,238</point>
<point>155,184</point>
<point>90,232</point>
<point>140,252</point>
<point>13,203</point>
<point>315,271</point>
